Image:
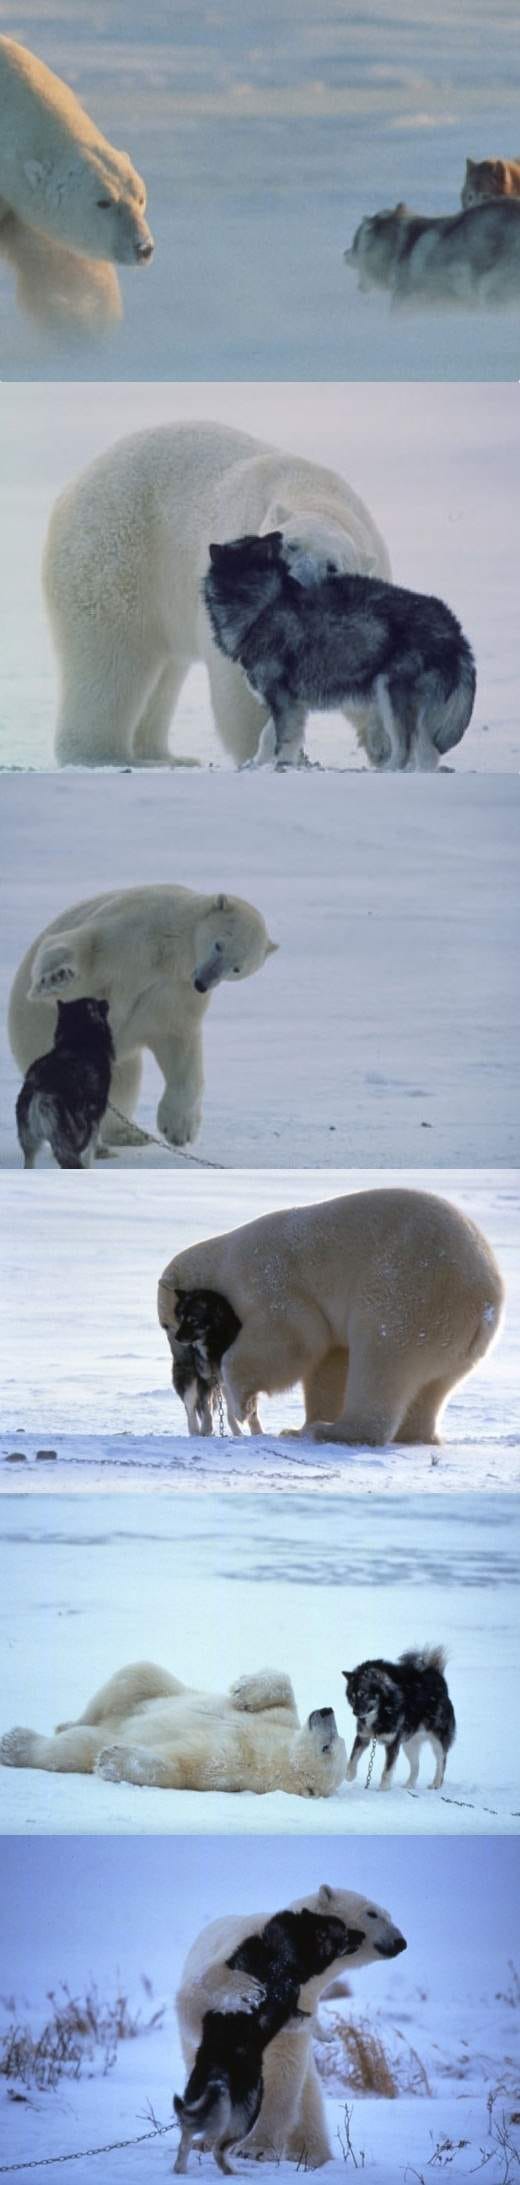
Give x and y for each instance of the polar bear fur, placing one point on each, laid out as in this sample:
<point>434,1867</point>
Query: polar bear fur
<point>378,1303</point>
<point>126,554</point>
<point>71,206</point>
<point>155,955</point>
<point>145,1727</point>
<point>292,2120</point>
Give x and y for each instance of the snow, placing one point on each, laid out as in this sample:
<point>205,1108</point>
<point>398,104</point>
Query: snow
<point>439,468</point>
<point>385,1029</point>
<point>86,1367</point>
<point>312,1585</point>
<point>118,1911</point>
<point>264,136</point>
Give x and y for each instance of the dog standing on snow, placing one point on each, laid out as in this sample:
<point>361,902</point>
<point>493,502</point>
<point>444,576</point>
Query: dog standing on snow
<point>65,1093</point>
<point>204,1328</point>
<point>402,1703</point>
<point>308,637</point>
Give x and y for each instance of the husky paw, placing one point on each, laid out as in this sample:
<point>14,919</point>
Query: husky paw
<point>17,1748</point>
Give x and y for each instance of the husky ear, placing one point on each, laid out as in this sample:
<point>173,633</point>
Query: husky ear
<point>325,1893</point>
<point>215,553</point>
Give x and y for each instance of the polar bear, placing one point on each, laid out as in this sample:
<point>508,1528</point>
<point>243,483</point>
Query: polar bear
<point>145,1727</point>
<point>378,1303</point>
<point>125,558</point>
<point>292,2122</point>
<point>71,207</point>
<point>155,955</point>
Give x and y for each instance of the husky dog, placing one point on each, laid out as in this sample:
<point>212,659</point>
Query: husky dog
<point>396,659</point>
<point>205,1327</point>
<point>65,1093</point>
<point>485,178</point>
<point>224,2093</point>
<point>402,1703</point>
<point>470,258</point>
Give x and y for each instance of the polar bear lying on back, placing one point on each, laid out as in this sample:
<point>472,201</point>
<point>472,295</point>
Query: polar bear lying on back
<point>219,1974</point>
<point>155,955</point>
<point>71,206</point>
<point>378,1303</point>
<point>147,1727</point>
<point>126,555</point>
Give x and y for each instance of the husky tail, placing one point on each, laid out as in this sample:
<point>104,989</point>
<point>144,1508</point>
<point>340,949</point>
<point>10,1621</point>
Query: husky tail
<point>425,1657</point>
<point>445,713</point>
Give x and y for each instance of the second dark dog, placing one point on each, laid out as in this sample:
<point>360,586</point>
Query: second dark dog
<point>396,661</point>
<point>406,1703</point>
<point>65,1093</point>
<point>205,1327</point>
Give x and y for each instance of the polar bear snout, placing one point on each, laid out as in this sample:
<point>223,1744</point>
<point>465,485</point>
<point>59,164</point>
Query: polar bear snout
<point>133,241</point>
<point>391,1944</point>
<point>324,1719</point>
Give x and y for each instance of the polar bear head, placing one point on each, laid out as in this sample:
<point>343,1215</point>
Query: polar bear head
<point>317,1756</point>
<point>90,197</point>
<point>369,1932</point>
<point>230,942</point>
<point>313,547</point>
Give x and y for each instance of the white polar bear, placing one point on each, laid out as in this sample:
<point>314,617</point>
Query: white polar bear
<point>145,1727</point>
<point>126,554</point>
<point>292,2122</point>
<point>71,206</point>
<point>155,955</point>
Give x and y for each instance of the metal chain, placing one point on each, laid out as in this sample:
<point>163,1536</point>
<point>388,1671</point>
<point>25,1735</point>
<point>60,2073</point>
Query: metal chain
<point>221,1413</point>
<point>140,1137</point>
<point>371,1764</point>
<point>44,2162</point>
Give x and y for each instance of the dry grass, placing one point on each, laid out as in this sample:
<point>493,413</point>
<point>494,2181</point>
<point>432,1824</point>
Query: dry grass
<point>82,2034</point>
<point>352,2053</point>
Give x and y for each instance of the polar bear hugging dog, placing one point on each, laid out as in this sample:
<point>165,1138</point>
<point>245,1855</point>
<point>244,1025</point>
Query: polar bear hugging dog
<point>126,554</point>
<point>155,954</point>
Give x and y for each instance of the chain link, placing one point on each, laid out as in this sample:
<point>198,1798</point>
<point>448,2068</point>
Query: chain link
<point>371,1764</point>
<point>138,1137</point>
<point>45,2162</point>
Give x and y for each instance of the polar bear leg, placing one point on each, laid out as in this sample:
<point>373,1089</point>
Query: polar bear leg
<point>72,1752</point>
<point>248,1365</point>
<point>308,2142</point>
<point>179,1055</point>
<point>420,1420</point>
<point>269,1688</point>
<point>109,679</point>
<point>152,732</point>
<point>128,1687</point>
<point>135,1764</point>
<point>58,289</point>
<point>376,1397</point>
<point>239,717</point>
<point>324,1387</point>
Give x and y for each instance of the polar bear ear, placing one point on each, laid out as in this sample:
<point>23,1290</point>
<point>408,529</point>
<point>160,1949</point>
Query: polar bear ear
<point>325,1893</point>
<point>55,966</point>
<point>272,948</point>
<point>277,514</point>
<point>221,902</point>
<point>36,172</point>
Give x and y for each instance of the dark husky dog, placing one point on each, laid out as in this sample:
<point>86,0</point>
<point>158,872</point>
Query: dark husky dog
<point>205,1326</point>
<point>402,1703</point>
<point>224,2093</point>
<point>65,1093</point>
<point>396,660</point>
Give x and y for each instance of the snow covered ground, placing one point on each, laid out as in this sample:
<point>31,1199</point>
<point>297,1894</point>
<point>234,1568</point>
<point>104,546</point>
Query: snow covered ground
<point>384,1031</point>
<point>264,136</point>
<point>439,467</point>
<point>86,1368</point>
<point>120,1913</point>
<point>213,1591</point>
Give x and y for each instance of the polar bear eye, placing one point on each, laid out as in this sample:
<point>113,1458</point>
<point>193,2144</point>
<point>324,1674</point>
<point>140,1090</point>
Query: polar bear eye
<point>105,204</point>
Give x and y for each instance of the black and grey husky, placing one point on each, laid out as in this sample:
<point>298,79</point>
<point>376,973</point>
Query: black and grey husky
<point>396,661</point>
<point>224,2093</point>
<point>407,1703</point>
<point>64,1097</point>
<point>205,1326</point>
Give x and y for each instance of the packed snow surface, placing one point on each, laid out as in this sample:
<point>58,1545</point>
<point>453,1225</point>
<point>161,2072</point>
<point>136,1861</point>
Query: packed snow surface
<point>86,1367</point>
<point>213,1589</point>
<point>439,469</point>
<point>264,136</point>
<point>122,1915</point>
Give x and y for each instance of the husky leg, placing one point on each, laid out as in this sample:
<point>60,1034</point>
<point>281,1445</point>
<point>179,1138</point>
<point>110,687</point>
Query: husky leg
<point>391,1755</point>
<point>392,727</point>
<point>361,1744</point>
<point>183,2151</point>
<point>30,1135</point>
<point>440,1763</point>
<point>412,1748</point>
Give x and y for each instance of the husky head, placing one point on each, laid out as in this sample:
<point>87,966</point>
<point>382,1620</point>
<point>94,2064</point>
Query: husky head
<point>377,245</point>
<point>244,577</point>
<point>374,1697</point>
<point>83,1025</point>
<point>230,942</point>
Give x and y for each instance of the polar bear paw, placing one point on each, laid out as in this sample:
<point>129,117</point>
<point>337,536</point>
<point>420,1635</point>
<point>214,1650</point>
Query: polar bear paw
<point>111,1763</point>
<point>180,1126</point>
<point>17,1748</point>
